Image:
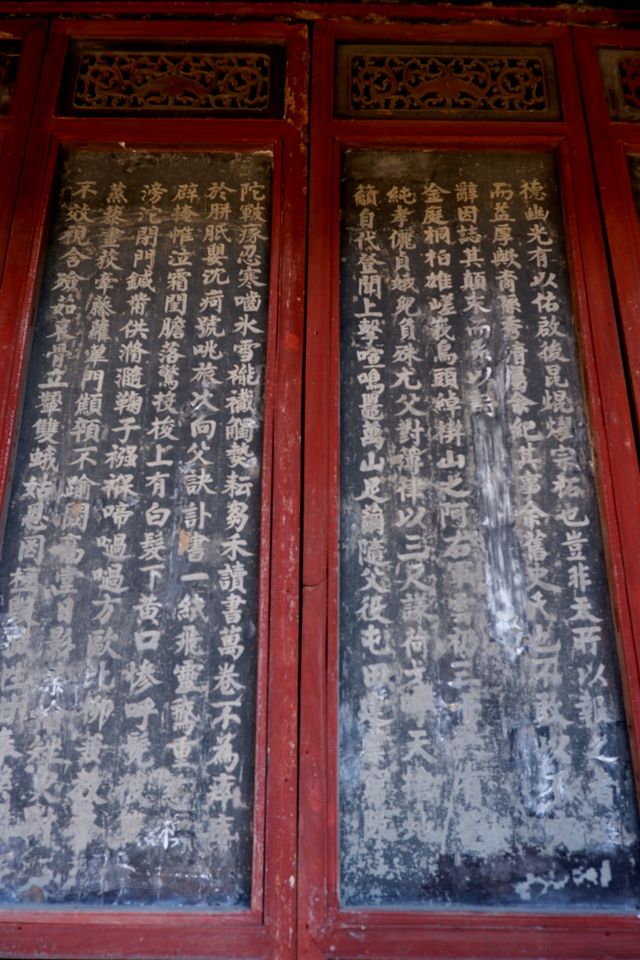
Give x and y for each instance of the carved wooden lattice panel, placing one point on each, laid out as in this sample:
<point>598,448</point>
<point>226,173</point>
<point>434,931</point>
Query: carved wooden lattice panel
<point>221,81</point>
<point>9,58</point>
<point>381,81</point>
<point>621,73</point>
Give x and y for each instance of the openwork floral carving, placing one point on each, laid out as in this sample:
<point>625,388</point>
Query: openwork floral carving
<point>8,70</point>
<point>621,79</point>
<point>414,82</point>
<point>630,78</point>
<point>226,82</point>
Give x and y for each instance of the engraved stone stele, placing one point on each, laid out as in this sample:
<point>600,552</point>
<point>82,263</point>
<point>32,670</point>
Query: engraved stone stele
<point>129,571</point>
<point>483,752</point>
<point>392,81</point>
<point>621,76</point>
<point>216,81</point>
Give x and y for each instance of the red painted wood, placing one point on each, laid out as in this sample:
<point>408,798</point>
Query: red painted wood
<point>318,489</point>
<point>282,705</point>
<point>268,928</point>
<point>14,128</point>
<point>107,934</point>
<point>325,931</point>
<point>611,141</point>
<point>465,938</point>
<point>310,12</point>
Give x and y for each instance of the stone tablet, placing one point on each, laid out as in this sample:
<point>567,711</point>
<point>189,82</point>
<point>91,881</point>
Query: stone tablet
<point>131,561</point>
<point>483,748</point>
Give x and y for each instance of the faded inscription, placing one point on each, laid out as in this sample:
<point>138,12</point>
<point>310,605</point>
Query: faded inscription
<point>483,753</point>
<point>130,569</point>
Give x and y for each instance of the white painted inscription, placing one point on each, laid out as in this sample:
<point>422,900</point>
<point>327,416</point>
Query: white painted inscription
<point>483,755</point>
<point>130,569</point>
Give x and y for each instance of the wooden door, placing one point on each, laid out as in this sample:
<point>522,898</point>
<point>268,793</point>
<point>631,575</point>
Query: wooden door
<point>462,783</point>
<point>146,619</point>
<point>443,164</point>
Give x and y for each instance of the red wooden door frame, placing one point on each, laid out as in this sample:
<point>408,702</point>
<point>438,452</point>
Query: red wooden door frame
<point>325,929</point>
<point>612,141</point>
<point>14,125</point>
<point>268,927</point>
<point>14,128</point>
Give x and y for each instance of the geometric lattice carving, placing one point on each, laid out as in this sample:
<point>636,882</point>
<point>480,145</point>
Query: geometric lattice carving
<point>621,77</point>
<point>9,59</point>
<point>400,80</point>
<point>630,79</point>
<point>223,82</point>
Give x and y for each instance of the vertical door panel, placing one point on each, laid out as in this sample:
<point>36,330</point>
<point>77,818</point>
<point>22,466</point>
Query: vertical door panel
<point>462,757</point>
<point>149,606</point>
<point>608,63</point>
<point>20,62</point>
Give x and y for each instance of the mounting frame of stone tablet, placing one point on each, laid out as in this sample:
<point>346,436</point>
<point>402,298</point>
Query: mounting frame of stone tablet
<point>608,62</point>
<point>379,361</point>
<point>114,194</point>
